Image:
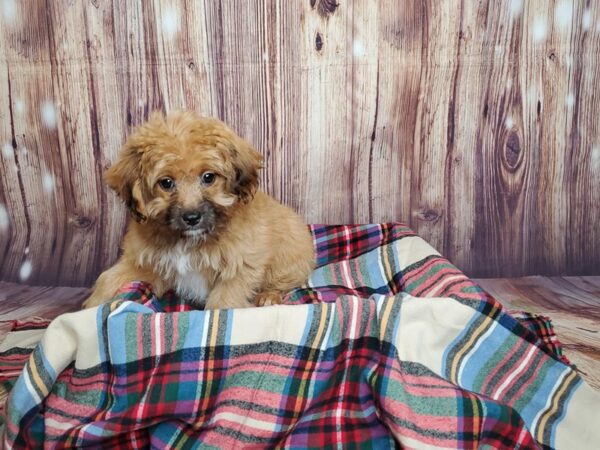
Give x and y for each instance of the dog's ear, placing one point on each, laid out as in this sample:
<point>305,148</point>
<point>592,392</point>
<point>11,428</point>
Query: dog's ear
<point>124,177</point>
<point>246,163</point>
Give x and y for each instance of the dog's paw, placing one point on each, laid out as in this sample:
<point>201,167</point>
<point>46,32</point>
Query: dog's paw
<point>268,298</point>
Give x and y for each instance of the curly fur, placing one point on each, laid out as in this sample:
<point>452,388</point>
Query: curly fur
<point>241,248</point>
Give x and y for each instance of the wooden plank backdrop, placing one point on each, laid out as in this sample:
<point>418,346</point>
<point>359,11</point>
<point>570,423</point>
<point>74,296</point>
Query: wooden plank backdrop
<point>475,122</point>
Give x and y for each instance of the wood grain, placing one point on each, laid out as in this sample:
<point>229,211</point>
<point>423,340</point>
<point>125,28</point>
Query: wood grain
<point>19,302</point>
<point>474,122</point>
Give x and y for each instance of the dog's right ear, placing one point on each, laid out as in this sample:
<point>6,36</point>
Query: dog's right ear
<point>124,177</point>
<point>246,163</point>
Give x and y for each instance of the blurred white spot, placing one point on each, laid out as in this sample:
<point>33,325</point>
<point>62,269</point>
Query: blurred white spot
<point>265,57</point>
<point>509,122</point>
<point>598,27</point>
<point>516,6</point>
<point>498,49</point>
<point>532,94</point>
<point>48,112</point>
<point>358,49</point>
<point>9,10</point>
<point>539,29</point>
<point>509,83</point>
<point>586,19</point>
<point>3,218</point>
<point>570,100</point>
<point>24,151</point>
<point>26,251</point>
<point>569,60</point>
<point>170,22</point>
<point>19,106</point>
<point>48,182</point>
<point>563,13</point>
<point>595,158</point>
<point>25,271</point>
<point>7,150</point>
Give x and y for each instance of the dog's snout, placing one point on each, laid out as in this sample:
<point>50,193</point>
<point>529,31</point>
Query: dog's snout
<point>191,217</point>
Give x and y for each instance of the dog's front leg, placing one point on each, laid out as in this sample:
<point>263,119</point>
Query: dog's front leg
<point>112,279</point>
<point>236,292</point>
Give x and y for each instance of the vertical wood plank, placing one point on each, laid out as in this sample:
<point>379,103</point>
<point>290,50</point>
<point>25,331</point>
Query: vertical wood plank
<point>31,170</point>
<point>362,90</point>
<point>326,113</point>
<point>583,230</point>
<point>503,159</point>
<point>400,38</point>
<point>286,168</point>
<point>472,63</point>
<point>77,190</point>
<point>107,124</point>
<point>430,182</point>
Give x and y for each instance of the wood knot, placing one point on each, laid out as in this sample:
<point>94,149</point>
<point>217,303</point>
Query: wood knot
<point>464,35</point>
<point>512,150</point>
<point>326,7</point>
<point>552,56</point>
<point>428,215</point>
<point>82,222</point>
<point>318,42</point>
<point>191,65</point>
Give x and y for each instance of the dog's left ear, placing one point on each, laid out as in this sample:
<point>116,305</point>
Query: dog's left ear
<point>246,162</point>
<point>125,179</point>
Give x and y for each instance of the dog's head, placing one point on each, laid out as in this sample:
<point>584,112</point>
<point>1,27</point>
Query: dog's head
<point>185,172</point>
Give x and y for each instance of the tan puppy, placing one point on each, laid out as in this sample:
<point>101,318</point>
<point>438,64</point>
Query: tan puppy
<point>199,224</point>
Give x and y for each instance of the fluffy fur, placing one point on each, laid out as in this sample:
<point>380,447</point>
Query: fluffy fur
<point>199,225</point>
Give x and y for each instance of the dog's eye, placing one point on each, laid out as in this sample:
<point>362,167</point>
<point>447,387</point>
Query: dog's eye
<point>208,178</point>
<point>166,183</point>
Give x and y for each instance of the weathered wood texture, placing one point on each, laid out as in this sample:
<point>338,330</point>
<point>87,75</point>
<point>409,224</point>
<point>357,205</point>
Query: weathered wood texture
<point>19,301</point>
<point>475,122</point>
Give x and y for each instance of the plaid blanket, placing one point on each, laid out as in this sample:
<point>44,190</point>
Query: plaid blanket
<point>388,345</point>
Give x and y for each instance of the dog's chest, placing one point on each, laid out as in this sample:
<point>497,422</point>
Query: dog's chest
<point>184,274</point>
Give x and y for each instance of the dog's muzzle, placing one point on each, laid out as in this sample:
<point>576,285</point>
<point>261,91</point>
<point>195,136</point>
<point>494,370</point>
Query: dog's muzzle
<point>192,222</point>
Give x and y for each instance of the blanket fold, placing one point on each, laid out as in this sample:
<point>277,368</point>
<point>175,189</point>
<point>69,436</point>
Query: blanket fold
<point>388,345</point>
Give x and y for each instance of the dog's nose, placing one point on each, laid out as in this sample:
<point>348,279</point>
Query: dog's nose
<point>191,218</point>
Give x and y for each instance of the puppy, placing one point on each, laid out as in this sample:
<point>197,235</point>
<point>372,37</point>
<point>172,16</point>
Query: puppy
<point>199,225</point>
